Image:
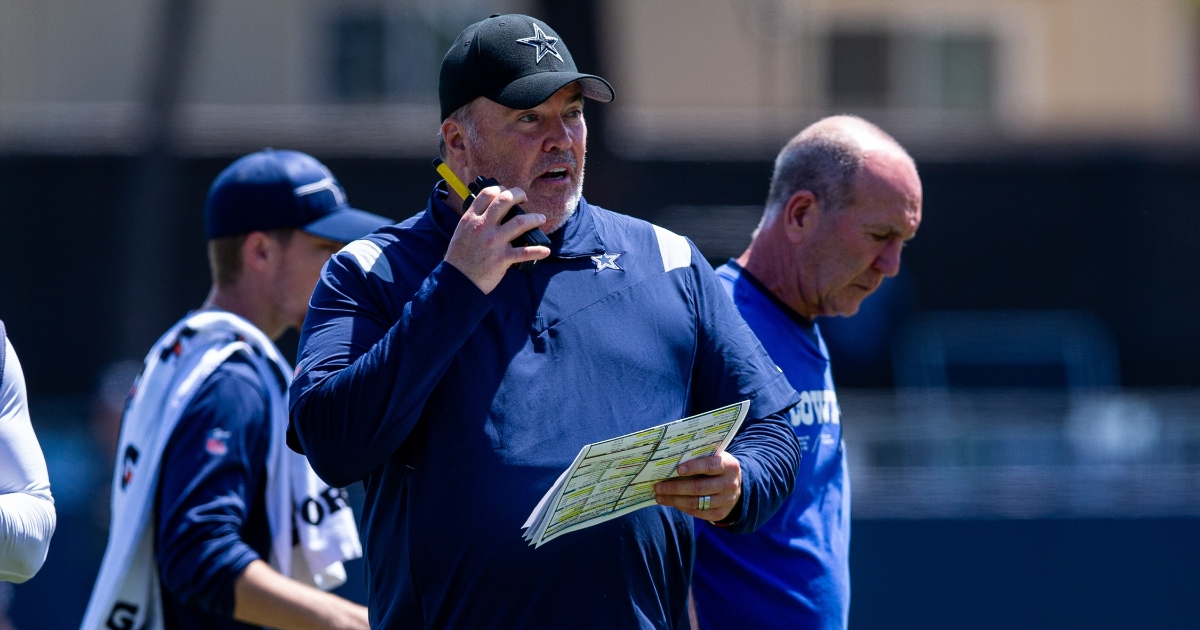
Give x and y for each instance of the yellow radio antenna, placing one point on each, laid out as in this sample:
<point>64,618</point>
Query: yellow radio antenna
<point>451,178</point>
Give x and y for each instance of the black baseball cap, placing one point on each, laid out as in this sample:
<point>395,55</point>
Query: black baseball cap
<point>515,60</point>
<point>270,189</point>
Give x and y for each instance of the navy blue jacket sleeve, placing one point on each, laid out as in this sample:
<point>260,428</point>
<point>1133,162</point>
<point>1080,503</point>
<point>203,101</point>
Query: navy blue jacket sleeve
<point>731,365</point>
<point>364,377</point>
<point>212,468</point>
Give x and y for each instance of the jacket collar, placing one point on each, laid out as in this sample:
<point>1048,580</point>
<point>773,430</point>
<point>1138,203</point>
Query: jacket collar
<point>579,236</point>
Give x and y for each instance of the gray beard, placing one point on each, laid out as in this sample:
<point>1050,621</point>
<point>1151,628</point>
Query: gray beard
<point>556,216</point>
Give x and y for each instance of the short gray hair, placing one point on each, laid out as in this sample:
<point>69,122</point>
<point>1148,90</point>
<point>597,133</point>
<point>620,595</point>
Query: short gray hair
<point>824,159</point>
<point>466,116</point>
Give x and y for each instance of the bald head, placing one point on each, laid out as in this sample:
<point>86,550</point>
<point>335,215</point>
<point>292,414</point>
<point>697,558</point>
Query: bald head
<point>844,198</point>
<point>825,158</point>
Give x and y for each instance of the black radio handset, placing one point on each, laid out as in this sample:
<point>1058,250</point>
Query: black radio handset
<point>533,237</point>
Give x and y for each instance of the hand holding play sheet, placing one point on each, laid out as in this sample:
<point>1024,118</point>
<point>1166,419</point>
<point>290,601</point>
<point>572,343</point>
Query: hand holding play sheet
<point>617,476</point>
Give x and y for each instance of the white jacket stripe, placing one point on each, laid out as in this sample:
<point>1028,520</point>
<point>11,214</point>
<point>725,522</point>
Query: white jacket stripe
<point>673,248</point>
<point>370,258</point>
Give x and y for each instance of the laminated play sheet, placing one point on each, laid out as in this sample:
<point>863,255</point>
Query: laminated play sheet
<point>617,476</point>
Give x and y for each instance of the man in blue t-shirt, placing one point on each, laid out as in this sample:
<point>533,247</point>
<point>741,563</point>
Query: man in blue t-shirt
<point>459,387</point>
<point>844,199</point>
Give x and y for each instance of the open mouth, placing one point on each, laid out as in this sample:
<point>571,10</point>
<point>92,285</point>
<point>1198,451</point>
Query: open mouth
<point>555,175</point>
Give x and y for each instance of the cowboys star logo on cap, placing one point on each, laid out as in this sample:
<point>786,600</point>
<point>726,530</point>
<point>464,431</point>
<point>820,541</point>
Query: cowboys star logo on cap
<point>606,261</point>
<point>543,43</point>
<point>491,58</point>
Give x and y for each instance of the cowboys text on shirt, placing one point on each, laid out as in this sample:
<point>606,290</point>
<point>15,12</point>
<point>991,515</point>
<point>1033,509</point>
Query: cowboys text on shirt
<point>818,406</point>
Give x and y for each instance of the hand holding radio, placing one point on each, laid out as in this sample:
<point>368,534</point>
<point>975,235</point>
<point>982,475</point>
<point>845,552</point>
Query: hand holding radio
<point>533,237</point>
<point>481,247</point>
<point>494,233</point>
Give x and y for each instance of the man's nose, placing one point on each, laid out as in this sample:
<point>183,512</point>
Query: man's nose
<point>559,137</point>
<point>888,261</point>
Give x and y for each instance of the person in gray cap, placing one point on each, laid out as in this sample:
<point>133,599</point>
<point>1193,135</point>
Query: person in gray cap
<point>458,380</point>
<point>215,523</point>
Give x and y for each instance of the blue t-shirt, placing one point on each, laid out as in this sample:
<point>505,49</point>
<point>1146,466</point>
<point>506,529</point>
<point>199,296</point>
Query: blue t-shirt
<point>211,517</point>
<point>459,410</point>
<point>794,572</point>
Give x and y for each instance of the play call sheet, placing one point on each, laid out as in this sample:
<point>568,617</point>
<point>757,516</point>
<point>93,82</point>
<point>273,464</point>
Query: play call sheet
<point>617,476</point>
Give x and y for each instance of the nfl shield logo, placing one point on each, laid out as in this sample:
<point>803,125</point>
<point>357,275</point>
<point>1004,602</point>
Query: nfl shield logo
<point>215,444</point>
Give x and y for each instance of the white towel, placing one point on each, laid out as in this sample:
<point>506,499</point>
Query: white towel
<point>300,507</point>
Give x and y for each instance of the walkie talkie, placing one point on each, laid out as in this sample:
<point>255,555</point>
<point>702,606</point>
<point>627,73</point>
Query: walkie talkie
<point>533,237</point>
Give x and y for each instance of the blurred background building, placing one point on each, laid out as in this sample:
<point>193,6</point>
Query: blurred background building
<point>1021,403</point>
<point>698,78</point>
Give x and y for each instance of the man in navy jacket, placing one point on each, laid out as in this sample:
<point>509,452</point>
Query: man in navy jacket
<point>459,387</point>
<point>272,219</point>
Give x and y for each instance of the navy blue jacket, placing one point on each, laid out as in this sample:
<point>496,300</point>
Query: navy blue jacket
<point>459,410</point>
<point>211,518</point>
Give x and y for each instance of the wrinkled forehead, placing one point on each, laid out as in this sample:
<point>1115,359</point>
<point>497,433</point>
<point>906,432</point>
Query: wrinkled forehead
<point>890,173</point>
<point>887,194</point>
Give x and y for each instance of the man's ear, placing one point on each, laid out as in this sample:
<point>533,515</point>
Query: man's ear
<point>799,215</point>
<point>257,252</point>
<point>455,137</point>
